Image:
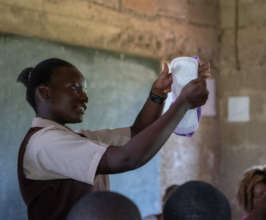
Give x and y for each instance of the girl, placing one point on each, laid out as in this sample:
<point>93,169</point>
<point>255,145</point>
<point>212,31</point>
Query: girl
<point>252,193</point>
<point>56,166</point>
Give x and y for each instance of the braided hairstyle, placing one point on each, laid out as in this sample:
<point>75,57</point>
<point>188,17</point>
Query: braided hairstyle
<point>245,193</point>
<point>40,74</point>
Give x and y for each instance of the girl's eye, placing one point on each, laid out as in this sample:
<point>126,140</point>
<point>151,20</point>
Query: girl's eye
<point>76,88</point>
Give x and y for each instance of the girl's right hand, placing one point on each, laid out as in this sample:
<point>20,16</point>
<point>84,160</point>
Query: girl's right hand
<point>195,93</point>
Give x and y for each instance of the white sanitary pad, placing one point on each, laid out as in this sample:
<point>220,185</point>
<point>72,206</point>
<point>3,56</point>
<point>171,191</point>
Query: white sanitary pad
<point>184,69</point>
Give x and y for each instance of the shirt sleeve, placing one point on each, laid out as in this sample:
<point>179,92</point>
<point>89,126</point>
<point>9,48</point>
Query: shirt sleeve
<point>116,137</point>
<point>54,153</point>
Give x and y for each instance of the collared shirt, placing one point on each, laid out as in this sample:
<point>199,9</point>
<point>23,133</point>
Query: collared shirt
<point>57,152</point>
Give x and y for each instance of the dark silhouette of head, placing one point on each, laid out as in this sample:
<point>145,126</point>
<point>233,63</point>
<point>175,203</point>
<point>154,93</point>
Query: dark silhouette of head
<point>104,205</point>
<point>168,192</point>
<point>197,200</point>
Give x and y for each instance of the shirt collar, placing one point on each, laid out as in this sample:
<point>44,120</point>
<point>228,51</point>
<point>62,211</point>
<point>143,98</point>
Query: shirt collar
<point>41,122</point>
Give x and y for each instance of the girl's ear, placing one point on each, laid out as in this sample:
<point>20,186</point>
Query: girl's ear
<point>43,92</point>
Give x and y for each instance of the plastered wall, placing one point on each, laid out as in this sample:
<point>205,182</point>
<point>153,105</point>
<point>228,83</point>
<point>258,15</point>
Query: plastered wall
<point>242,73</point>
<point>152,28</point>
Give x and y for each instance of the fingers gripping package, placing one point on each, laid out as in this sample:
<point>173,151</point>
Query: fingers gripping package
<point>184,69</point>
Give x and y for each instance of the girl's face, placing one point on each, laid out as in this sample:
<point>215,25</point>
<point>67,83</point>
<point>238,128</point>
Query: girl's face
<point>67,102</point>
<point>259,194</point>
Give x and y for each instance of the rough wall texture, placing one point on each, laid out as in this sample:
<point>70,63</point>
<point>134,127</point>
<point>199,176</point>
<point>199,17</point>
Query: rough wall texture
<point>161,29</point>
<point>243,143</point>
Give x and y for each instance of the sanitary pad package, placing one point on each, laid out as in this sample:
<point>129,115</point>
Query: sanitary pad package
<point>184,69</point>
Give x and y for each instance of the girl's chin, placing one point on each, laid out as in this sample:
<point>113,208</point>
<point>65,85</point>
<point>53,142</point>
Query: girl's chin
<point>78,119</point>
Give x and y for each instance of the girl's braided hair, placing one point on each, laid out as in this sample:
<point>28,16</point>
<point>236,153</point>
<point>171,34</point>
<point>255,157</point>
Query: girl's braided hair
<point>245,194</point>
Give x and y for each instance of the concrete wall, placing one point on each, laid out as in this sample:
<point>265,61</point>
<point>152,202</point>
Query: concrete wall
<point>152,28</point>
<point>160,29</point>
<point>242,143</point>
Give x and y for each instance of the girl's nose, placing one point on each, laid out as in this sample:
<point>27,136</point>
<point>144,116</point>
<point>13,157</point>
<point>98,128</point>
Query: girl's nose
<point>84,96</point>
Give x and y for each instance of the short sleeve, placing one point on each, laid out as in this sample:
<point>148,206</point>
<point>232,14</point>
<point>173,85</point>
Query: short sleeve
<point>116,137</point>
<point>54,153</point>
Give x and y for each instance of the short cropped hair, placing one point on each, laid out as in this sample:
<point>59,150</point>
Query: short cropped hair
<point>197,200</point>
<point>168,192</point>
<point>103,205</point>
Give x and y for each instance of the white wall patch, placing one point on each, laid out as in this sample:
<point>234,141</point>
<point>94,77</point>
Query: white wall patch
<point>238,109</point>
